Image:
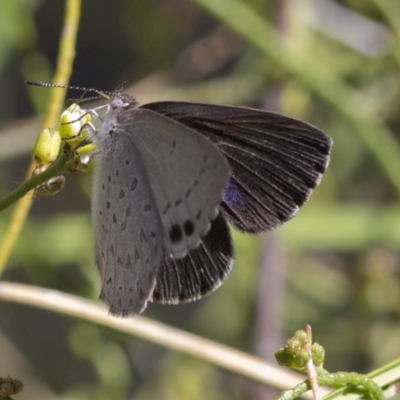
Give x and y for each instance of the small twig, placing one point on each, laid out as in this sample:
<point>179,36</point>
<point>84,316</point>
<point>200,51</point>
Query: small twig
<point>156,332</point>
<point>310,367</point>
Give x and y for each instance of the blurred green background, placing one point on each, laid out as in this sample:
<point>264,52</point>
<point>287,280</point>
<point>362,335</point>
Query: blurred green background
<point>335,64</point>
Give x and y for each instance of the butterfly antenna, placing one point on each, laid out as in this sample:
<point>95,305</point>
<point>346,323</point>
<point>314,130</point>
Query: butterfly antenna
<point>120,87</point>
<point>83,100</point>
<point>101,93</point>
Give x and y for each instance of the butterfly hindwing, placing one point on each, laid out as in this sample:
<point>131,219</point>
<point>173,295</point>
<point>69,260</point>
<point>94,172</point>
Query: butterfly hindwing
<point>200,272</point>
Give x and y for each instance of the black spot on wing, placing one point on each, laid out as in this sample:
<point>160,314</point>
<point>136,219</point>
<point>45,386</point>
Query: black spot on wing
<point>175,234</point>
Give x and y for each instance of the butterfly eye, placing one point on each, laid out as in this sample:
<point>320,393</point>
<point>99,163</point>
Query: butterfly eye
<point>117,103</point>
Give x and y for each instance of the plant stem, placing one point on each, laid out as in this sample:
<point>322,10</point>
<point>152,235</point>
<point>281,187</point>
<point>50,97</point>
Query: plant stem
<point>62,75</point>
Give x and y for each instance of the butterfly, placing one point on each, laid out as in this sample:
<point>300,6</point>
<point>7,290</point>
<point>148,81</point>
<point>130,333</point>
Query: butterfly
<point>194,168</point>
<point>168,179</point>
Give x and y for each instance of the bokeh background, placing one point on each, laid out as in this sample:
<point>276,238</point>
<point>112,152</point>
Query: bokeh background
<point>335,266</point>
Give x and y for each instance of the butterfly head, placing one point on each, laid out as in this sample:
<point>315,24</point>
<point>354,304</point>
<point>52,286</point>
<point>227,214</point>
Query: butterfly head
<point>122,101</point>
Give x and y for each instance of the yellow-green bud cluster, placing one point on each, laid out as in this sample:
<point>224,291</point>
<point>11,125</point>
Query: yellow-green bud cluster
<point>73,129</point>
<point>296,353</point>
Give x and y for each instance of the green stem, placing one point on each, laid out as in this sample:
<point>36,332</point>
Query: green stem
<point>63,72</point>
<point>35,181</point>
<point>351,381</point>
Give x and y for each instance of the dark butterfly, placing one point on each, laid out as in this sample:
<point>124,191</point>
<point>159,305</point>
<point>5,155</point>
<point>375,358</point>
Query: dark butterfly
<point>170,175</point>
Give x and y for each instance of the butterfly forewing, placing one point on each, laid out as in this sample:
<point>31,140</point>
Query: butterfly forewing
<point>275,161</point>
<point>128,232</point>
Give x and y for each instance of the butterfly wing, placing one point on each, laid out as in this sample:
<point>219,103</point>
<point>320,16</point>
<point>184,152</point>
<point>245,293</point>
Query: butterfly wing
<point>127,227</point>
<point>187,175</point>
<point>275,161</point>
<point>200,272</point>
